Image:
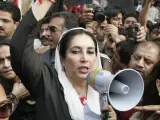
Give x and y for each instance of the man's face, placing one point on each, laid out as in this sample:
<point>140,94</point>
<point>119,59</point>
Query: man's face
<point>7,25</point>
<point>43,34</point>
<point>6,70</point>
<point>55,30</point>
<point>143,60</point>
<point>129,21</point>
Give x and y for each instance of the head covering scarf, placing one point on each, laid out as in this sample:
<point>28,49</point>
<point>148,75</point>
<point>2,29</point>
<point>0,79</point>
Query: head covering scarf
<point>76,109</point>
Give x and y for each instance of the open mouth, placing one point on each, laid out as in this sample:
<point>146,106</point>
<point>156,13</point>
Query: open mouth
<point>83,70</point>
<point>8,71</point>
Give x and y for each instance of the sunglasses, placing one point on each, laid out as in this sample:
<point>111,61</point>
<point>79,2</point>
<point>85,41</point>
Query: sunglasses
<point>9,106</point>
<point>53,29</point>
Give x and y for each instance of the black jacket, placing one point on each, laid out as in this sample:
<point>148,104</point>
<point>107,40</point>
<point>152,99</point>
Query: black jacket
<point>40,78</point>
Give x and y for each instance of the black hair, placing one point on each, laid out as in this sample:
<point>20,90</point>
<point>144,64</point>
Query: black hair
<point>45,20</point>
<point>130,15</point>
<point>149,25</point>
<point>71,20</point>
<point>135,2</point>
<point>155,26</point>
<point>125,50</point>
<point>112,11</point>
<point>12,9</point>
<point>65,41</point>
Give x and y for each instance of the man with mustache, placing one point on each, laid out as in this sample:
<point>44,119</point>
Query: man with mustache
<point>144,57</point>
<point>9,18</point>
<point>59,23</point>
<point>42,44</point>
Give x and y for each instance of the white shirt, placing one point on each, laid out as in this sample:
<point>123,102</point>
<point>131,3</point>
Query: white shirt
<point>153,14</point>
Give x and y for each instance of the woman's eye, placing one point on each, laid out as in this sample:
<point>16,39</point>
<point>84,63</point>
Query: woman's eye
<point>91,52</point>
<point>75,51</point>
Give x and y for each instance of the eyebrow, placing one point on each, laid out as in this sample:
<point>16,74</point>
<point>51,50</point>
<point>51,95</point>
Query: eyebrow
<point>2,58</point>
<point>78,47</point>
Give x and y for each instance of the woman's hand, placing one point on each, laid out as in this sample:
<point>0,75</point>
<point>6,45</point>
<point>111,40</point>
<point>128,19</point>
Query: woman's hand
<point>111,113</point>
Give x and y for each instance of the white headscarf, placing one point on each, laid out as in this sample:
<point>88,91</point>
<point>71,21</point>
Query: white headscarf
<point>76,109</point>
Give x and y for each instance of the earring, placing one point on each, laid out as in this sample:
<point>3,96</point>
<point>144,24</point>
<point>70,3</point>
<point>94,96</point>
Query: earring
<point>158,86</point>
<point>63,69</point>
<point>158,91</point>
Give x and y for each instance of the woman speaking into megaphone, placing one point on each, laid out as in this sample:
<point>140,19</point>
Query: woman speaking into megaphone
<point>62,91</point>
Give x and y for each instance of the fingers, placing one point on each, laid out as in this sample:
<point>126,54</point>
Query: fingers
<point>86,10</point>
<point>112,114</point>
<point>87,15</point>
<point>148,108</point>
<point>141,35</point>
<point>158,112</point>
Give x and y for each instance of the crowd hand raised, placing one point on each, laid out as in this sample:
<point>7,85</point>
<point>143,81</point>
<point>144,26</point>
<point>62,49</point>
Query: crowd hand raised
<point>137,116</point>
<point>141,35</point>
<point>111,113</point>
<point>20,91</point>
<point>155,108</point>
<point>111,32</point>
<point>100,31</point>
<point>87,16</point>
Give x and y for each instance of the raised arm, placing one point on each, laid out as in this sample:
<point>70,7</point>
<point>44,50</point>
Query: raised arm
<point>144,12</point>
<point>25,62</point>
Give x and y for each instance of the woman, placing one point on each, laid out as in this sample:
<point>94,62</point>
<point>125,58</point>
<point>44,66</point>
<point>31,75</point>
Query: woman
<point>62,92</point>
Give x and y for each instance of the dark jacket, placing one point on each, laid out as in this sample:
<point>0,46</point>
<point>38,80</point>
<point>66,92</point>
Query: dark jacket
<point>40,78</point>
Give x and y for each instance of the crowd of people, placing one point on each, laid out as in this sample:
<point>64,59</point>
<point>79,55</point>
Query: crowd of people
<point>46,55</point>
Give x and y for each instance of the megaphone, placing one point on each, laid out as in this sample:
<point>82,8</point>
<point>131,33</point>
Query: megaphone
<point>123,90</point>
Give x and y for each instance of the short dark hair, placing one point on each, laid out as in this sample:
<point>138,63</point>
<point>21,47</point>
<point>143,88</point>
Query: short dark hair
<point>65,41</point>
<point>155,26</point>
<point>71,20</point>
<point>45,20</point>
<point>12,9</point>
<point>125,50</point>
<point>130,15</point>
<point>112,11</point>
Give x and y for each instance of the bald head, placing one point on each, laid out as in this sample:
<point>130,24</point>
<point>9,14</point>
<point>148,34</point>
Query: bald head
<point>149,46</point>
<point>144,57</point>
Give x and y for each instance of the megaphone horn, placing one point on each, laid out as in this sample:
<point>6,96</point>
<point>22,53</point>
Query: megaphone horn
<point>124,89</point>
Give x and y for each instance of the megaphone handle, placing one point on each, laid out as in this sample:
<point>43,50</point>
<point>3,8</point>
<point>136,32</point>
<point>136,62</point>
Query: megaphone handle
<point>103,100</point>
<point>104,103</point>
<point>105,114</point>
